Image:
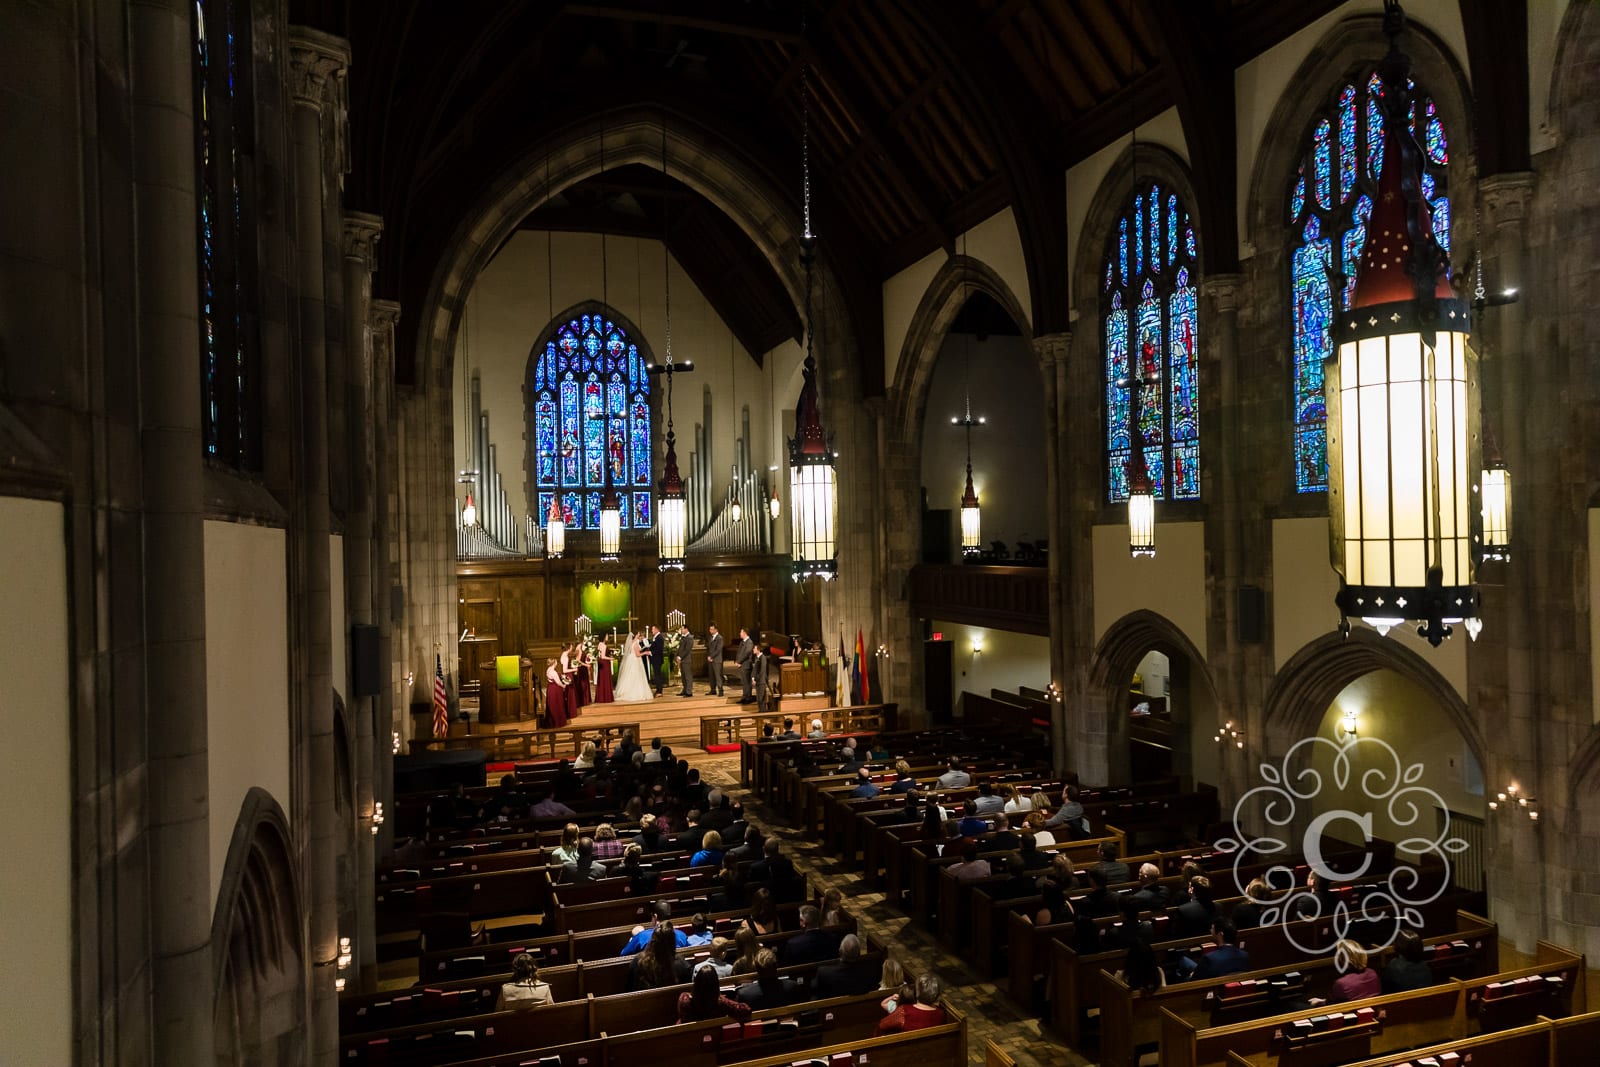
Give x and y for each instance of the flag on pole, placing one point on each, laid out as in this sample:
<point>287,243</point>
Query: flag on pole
<point>441,701</point>
<point>841,685</point>
<point>859,675</point>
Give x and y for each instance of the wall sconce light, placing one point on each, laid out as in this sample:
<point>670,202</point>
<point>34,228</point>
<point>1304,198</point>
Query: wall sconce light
<point>1347,725</point>
<point>411,678</point>
<point>1053,692</point>
<point>1513,799</point>
<point>1230,733</point>
<point>377,816</point>
<point>977,646</point>
<point>394,736</point>
<point>345,957</point>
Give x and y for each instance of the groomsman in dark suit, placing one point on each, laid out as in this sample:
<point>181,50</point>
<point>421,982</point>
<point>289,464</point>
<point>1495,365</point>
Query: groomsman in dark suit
<point>685,659</point>
<point>658,659</point>
<point>745,657</point>
<point>714,658</point>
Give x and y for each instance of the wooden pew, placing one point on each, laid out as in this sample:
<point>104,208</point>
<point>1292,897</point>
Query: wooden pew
<point>1522,1047</point>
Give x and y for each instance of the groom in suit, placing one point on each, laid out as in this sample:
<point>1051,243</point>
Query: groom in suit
<point>658,659</point>
<point>714,658</point>
<point>685,655</point>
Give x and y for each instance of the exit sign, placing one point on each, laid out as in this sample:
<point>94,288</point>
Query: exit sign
<point>938,635</point>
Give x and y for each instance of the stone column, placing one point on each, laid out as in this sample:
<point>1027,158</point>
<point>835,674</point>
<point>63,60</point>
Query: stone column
<point>173,534</point>
<point>314,59</point>
<point>1219,333</point>
<point>360,239</point>
<point>381,317</point>
<point>1510,688</point>
<point>1051,350</point>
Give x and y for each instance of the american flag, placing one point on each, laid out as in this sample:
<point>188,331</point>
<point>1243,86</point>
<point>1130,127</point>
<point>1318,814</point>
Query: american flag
<point>441,702</point>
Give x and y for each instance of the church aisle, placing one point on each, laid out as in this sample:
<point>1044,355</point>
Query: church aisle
<point>990,1013</point>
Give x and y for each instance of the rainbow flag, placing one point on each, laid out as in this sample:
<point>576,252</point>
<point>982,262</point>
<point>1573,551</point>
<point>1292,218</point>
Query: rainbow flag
<point>859,674</point>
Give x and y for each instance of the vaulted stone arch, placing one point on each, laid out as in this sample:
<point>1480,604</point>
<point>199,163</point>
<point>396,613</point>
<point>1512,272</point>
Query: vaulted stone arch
<point>259,958</point>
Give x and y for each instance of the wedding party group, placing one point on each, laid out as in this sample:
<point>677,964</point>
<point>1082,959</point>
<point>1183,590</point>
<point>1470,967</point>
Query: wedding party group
<point>639,669</point>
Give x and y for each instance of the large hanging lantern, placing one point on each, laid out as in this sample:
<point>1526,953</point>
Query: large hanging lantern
<point>1495,488</point>
<point>813,485</point>
<point>1141,506</point>
<point>672,513</point>
<point>971,520</point>
<point>469,512</point>
<point>555,531</point>
<point>1403,408</point>
<point>610,524</point>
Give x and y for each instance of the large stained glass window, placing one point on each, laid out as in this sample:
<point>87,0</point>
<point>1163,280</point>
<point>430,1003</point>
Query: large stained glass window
<point>591,423</point>
<point>229,375</point>
<point>1330,202</point>
<point>1150,311</point>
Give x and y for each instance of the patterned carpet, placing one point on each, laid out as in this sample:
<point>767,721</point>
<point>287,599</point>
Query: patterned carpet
<point>989,1010</point>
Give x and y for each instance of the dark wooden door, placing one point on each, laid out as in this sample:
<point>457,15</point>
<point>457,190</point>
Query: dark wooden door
<point>938,669</point>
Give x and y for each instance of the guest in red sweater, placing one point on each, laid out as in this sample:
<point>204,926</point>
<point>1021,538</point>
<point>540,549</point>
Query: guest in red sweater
<point>924,1013</point>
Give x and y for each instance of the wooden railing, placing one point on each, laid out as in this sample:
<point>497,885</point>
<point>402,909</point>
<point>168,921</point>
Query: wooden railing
<point>733,728</point>
<point>530,744</point>
<point>1006,598</point>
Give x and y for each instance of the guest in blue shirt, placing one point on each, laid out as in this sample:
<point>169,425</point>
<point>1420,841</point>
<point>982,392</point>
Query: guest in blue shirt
<point>865,788</point>
<point>699,931</point>
<point>662,913</point>
<point>710,854</point>
<point>971,825</point>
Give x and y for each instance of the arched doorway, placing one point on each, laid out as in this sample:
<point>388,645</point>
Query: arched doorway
<point>258,946</point>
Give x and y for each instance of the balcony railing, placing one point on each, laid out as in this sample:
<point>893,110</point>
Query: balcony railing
<point>1003,598</point>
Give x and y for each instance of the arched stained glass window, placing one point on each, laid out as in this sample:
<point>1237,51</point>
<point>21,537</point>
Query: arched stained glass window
<point>230,393</point>
<point>1152,292</point>
<point>591,423</point>
<point>1330,202</point>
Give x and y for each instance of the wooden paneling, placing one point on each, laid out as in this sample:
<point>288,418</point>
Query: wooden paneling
<point>1006,598</point>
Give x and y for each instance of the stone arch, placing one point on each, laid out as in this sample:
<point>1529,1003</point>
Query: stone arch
<point>1577,58</point>
<point>1110,197</point>
<point>635,334</point>
<point>1316,674</point>
<point>259,959</point>
<point>1116,657</point>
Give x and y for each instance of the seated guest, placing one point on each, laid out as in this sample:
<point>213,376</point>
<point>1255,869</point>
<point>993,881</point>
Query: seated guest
<point>773,868</point>
<point>1247,913</point>
<point>1041,837</point>
<point>812,944</point>
<point>1054,907</point>
<point>1014,802</point>
<point>1099,900</point>
<point>654,753</point>
<point>567,851</point>
<point>1003,839</point>
<point>1017,884</point>
<point>751,849</point>
<point>1360,981</point>
<point>718,812</point>
<point>607,846</point>
<point>769,732</point>
<point>833,913</point>
<point>1140,971</point>
<point>585,760</point>
<point>1061,873</point>
<point>892,980</point>
<point>546,806</point>
<point>710,854</point>
<point>692,792</point>
<point>649,837</point>
<point>642,880</point>
<point>1318,903</point>
<point>690,840</point>
<point>1194,916</point>
<point>817,732</point>
<point>1069,817</point>
<point>508,802</point>
<point>699,931</point>
<point>524,990</point>
<point>660,919</point>
<point>903,781</point>
<point>878,750</point>
<point>626,747</point>
<point>1150,893</point>
<point>584,868</point>
<point>745,940</point>
<point>768,990</point>
<point>789,733</point>
<point>730,892</point>
<point>1408,970</point>
<point>1032,858</point>
<point>923,1013</point>
<point>987,802</point>
<point>1227,957</point>
<point>955,777</point>
<point>850,977</point>
<point>763,917</point>
<point>1113,868</point>
<point>971,867</point>
<point>718,960</point>
<point>705,999</point>
<point>971,824</point>
<point>848,761</point>
<point>1130,930</point>
<point>658,965</point>
<point>865,788</point>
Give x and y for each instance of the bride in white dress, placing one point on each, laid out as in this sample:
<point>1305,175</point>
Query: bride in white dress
<point>632,685</point>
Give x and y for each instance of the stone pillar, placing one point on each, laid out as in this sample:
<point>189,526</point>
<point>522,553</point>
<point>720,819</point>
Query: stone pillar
<point>173,533</point>
<point>314,59</point>
<point>1219,334</point>
<point>381,317</point>
<point>360,239</point>
<point>1510,687</point>
<point>1052,350</point>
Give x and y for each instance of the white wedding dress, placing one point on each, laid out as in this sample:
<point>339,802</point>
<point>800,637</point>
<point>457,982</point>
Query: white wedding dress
<point>632,685</point>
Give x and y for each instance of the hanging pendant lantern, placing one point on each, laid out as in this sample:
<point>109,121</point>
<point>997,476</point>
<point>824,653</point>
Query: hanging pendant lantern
<point>555,531</point>
<point>610,524</point>
<point>971,521</point>
<point>813,484</point>
<point>672,514</point>
<point>1141,507</point>
<point>1403,408</point>
<point>1495,485</point>
<point>469,513</point>
<point>774,505</point>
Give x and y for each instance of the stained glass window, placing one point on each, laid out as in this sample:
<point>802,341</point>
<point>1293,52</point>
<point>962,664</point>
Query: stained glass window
<point>1328,233</point>
<point>1150,313</point>
<point>229,374</point>
<point>591,423</point>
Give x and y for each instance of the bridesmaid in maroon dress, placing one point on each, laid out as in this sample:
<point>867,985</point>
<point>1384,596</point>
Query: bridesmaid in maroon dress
<point>555,695</point>
<point>585,671</point>
<point>602,685</point>
<point>569,674</point>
